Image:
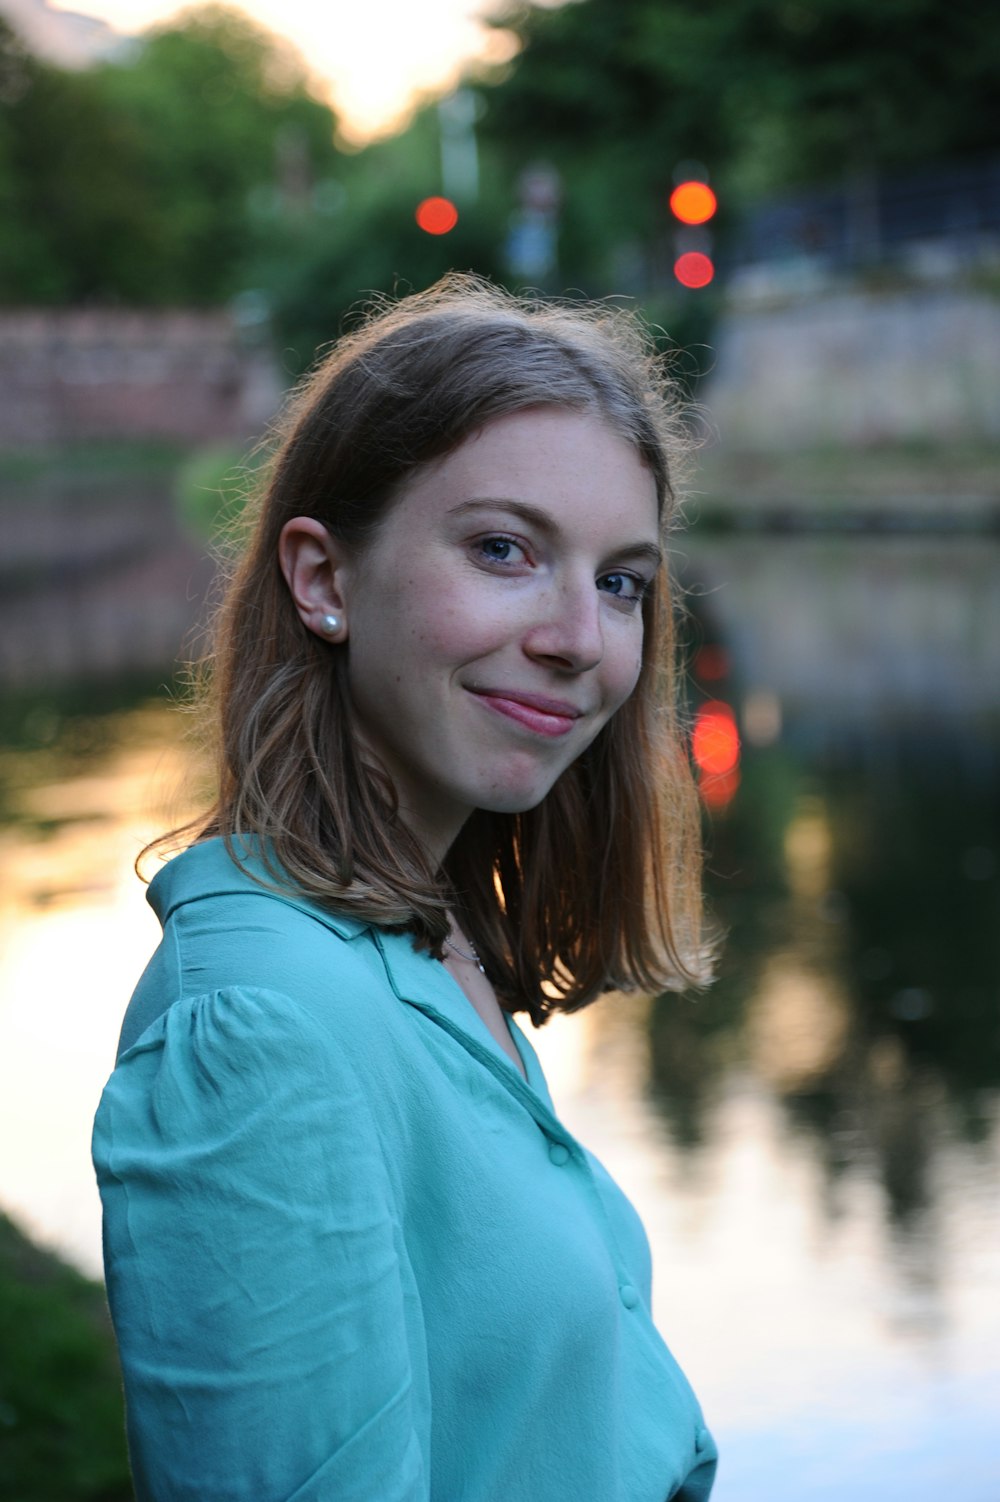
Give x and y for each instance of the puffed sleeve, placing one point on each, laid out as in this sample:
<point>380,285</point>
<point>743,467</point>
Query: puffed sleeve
<point>255,1274</point>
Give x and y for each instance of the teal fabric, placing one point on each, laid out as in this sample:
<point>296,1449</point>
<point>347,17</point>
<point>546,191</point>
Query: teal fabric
<point>352,1256</point>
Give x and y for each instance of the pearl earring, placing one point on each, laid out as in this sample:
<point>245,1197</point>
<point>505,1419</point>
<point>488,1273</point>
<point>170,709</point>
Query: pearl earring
<point>330,625</point>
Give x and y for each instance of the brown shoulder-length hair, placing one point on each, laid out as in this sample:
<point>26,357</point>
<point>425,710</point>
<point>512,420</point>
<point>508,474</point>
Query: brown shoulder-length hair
<point>596,888</point>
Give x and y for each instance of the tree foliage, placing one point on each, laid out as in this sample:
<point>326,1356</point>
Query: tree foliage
<point>367,239</point>
<point>77,218</point>
<point>767,95</point>
<point>203,165</point>
<point>778,91</point>
<point>134,182</point>
<point>222,109</point>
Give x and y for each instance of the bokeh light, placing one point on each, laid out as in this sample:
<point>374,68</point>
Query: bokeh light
<point>711,662</point>
<point>715,746</point>
<point>436,216</point>
<point>693,203</point>
<point>718,792</point>
<point>694,269</point>
<point>715,741</point>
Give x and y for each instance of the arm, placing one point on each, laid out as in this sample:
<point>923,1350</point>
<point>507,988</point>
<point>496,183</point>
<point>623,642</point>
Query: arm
<point>255,1276</point>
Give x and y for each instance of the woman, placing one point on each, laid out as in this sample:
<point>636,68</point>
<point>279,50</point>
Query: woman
<point>351,1251</point>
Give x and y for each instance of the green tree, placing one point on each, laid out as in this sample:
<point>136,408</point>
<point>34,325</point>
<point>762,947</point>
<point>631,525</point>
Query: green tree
<point>224,112</point>
<point>140,180</point>
<point>364,238</point>
<point>76,217</point>
<point>787,90</point>
<point>769,94</point>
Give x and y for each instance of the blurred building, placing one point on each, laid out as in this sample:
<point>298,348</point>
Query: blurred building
<point>98,373</point>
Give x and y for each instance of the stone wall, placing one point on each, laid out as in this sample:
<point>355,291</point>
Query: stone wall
<point>857,368</point>
<point>72,374</point>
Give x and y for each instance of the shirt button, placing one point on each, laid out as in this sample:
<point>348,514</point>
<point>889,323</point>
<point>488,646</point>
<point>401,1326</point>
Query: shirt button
<point>558,1154</point>
<point>629,1295</point>
<point>701,1439</point>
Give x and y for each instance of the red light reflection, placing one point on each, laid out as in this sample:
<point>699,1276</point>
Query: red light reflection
<point>711,662</point>
<point>715,742</point>
<point>718,792</point>
<point>715,746</point>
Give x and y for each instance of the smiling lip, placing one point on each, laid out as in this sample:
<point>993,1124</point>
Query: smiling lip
<point>534,711</point>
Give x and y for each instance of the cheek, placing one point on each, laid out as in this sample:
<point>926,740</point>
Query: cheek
<point>458,630</point>
<point>627,670</point>
<point>409,623</point>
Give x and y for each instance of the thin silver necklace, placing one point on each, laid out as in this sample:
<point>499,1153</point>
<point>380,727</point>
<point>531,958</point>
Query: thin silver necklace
<point>472,958</point>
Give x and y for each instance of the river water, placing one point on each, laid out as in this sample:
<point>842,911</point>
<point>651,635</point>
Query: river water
<point>814,1144</point>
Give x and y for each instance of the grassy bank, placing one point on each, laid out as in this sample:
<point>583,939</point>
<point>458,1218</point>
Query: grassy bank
<point>83,463</point>
<point>62,1436</point>
<point>208,484</point>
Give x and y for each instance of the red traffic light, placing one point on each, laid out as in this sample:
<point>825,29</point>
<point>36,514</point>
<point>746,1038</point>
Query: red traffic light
<point>694,269</point>
<point>436,216</point>
<point>693,203</point>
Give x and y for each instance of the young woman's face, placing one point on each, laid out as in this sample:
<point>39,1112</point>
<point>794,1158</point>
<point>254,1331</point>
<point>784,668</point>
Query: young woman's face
<point>494,624</point>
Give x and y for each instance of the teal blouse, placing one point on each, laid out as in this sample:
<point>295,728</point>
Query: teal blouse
<point>352,1256</point>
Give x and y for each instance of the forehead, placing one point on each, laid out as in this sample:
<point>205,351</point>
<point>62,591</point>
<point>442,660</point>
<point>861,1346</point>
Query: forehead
<point>550,456</point>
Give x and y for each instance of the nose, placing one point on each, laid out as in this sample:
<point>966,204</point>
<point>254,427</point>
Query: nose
<point>568,632</point>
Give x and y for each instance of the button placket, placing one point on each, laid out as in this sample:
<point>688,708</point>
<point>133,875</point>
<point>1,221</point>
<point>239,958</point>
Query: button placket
<point>559,1156</point>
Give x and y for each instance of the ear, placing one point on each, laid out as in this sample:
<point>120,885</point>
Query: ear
<point>314,565</point>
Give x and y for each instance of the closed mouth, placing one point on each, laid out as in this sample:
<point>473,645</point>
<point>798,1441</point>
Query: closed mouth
<point>534,711</point>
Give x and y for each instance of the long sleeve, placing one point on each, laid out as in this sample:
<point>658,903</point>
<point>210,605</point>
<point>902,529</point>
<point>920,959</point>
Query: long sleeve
<point>259,1296</point>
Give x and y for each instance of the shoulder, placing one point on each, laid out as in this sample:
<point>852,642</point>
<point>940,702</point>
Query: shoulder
<point>225,932</point>
<point>232,1104</point>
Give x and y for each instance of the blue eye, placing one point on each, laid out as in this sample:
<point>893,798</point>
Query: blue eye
<point>625,587</point>
<point>500,549</point>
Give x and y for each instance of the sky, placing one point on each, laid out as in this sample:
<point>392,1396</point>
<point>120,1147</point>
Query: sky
<point>374,56</point>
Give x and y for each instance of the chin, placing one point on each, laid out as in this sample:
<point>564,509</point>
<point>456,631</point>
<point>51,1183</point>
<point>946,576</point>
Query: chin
<point>517,800</point>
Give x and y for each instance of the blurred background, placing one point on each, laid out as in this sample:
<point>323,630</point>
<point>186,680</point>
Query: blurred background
<point>803,196</point>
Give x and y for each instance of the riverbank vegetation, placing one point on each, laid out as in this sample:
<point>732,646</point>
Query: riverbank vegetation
<point>62,1431</point>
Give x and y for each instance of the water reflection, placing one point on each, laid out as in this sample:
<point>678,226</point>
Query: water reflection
<point>80,794</point>
<point>815,1143</point>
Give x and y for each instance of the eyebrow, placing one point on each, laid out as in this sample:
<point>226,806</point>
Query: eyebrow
<point>541,519</point>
